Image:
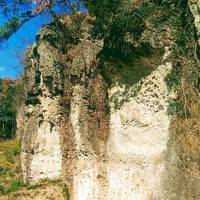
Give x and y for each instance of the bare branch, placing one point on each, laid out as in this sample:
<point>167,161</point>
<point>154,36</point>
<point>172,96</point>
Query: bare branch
<point>41,5</point>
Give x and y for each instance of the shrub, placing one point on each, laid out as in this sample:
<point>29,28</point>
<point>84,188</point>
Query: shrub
<point>11,97</point>
<point>14,185</point>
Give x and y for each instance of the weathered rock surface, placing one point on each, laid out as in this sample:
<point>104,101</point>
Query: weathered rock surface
<point>41,149</point>
<point>195,8</point>
<point>139,132</point>
<point>105,142</point>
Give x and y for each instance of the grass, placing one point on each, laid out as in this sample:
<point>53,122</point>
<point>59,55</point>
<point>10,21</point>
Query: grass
<point>10,167</point>
<point>11,179</point>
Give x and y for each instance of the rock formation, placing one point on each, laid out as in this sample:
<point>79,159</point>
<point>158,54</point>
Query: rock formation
<point>106,141</point>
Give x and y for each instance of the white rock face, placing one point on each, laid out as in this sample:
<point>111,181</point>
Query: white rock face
<point>85,182</point>
<point>75,115</point>
<point>143,116</point>
<point>104,144</point>
<point>45,158</point>
<point>132,163</point>
<point>139,132</point>
<point>138,139</point>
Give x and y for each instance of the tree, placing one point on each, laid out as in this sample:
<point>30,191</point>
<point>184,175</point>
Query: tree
<point>10,99</point>
<point>19,12</point>
<point>105,12</point>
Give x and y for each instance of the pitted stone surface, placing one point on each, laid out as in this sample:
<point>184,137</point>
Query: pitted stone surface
<point>41,150</point>
<point>138,139</point>
<point>105,143</point>
<point>41,143</point>
<point>102,151</point>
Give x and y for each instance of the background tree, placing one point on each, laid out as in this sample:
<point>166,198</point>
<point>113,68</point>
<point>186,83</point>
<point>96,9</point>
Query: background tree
<point>19,12</point>
<point>11,97</point>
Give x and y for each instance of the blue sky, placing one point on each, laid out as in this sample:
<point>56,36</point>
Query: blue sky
<point>12,50</point>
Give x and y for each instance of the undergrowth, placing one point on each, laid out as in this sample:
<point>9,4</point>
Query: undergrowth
<point>184,79</point>
<point>10,167</point>
<point>11,179</point>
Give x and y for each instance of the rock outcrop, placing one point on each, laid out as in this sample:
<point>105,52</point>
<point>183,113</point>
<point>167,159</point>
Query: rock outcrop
<point>104,141</point>
<point>41,157</point>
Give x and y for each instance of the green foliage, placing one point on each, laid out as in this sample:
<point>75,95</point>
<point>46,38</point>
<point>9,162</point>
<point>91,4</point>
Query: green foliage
<point>115,21</point>
<point>10,167</point>
<point>174,78</point>
<point>8,28</point>
<point>184,78</point>
<point>10,153</point>
<point>14,185</point>
<point>104,11</point>
<point>11,97</point>
<point>20,11</point>
<point>66,192</point>
<point>60,35</point>
<point>175,107</point>
<point>125,23</point>
<point>71,34</point>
